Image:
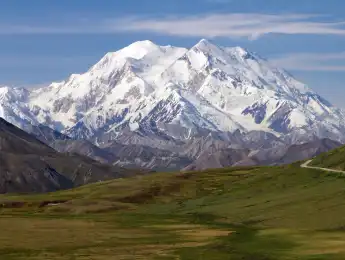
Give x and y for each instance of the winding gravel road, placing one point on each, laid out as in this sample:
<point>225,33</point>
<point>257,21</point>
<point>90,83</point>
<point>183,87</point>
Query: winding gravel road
<point>305,165</point>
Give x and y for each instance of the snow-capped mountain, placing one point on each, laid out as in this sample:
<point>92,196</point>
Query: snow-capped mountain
<point>163,96</point>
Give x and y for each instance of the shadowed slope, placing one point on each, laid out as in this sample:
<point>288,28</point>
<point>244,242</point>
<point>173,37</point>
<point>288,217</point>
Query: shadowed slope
<point>28,165</point>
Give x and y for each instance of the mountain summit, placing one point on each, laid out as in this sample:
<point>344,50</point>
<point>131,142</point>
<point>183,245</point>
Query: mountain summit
<point>159,95</point>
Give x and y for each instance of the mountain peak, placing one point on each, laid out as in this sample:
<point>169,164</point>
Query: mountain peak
<point>136,50</point>
<point>204,41</point>
<point>205,44</point>
<point>208,46</point>
<point>141,48</point>
<point>144,44</point>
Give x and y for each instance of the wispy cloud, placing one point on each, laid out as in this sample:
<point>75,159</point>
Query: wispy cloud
<point>311,61</point>
<point>233,25</point>
<point>236,25</point>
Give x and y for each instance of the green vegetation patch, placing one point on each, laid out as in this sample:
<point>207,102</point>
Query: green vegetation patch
<point>239,213</point>
<point>334,159</point>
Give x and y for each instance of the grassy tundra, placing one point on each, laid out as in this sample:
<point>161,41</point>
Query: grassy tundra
<point>258,213</point>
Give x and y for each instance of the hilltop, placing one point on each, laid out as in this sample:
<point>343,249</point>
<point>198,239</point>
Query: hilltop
<point>334,159</point>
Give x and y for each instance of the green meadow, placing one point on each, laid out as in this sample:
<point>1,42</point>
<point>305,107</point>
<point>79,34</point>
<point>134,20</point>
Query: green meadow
<point>258,213</point>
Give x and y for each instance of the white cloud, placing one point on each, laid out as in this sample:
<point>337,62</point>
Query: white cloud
<point>311,61</point>
<point>233,25</point>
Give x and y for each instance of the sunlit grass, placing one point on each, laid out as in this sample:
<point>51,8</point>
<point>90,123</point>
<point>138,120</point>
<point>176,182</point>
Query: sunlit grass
<point>245,213</point>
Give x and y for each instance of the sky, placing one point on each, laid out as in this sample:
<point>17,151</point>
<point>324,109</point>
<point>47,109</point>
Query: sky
<point>44,41</point>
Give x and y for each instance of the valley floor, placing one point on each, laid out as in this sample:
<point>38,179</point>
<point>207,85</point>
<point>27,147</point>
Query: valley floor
<point>257,213</point>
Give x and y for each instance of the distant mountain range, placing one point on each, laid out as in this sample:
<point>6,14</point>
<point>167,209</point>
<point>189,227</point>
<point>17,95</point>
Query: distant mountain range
<point>137,156</point>
<point>169,108</point>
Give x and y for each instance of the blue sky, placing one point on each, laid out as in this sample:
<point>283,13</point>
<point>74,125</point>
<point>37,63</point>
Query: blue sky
<point>43,41</point>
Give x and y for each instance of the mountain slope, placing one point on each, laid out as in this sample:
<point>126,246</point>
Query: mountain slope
<point>166,96</point>
<point>45,133</point>
<point>127,156</point>
<point>220,159</point>
<point>283,154</point>
<point>13,140</point>
<point>334,159</point>
<point>83,147</point>
<point>29,165</point>
<point>293,153</point>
